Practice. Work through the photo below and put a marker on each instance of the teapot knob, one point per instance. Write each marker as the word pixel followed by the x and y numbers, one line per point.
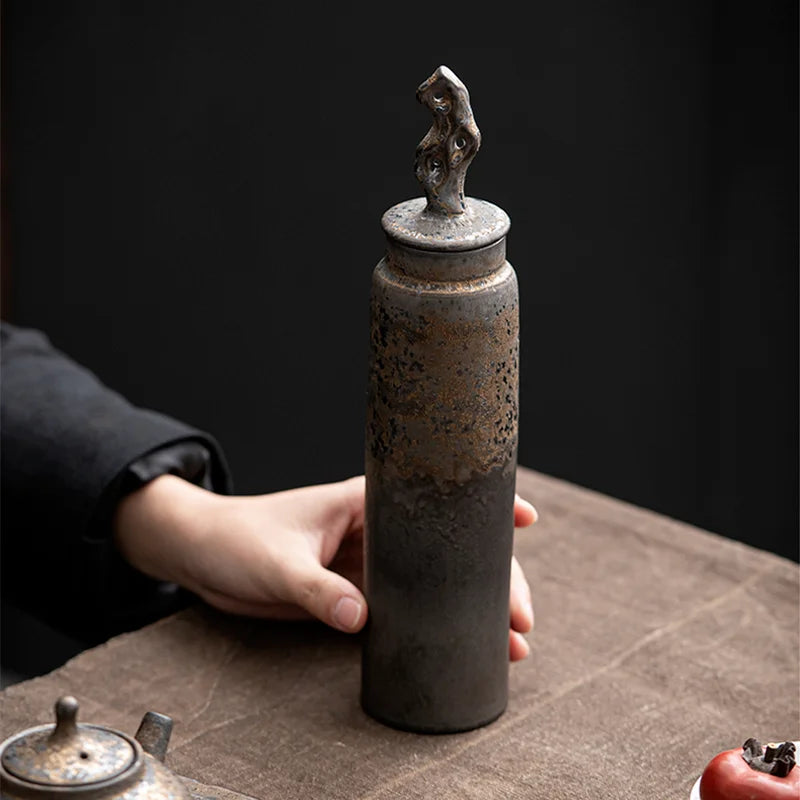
pixel 66 719
pixel 153 734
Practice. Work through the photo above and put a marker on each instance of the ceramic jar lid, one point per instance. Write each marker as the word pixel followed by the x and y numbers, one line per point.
pixel 445 220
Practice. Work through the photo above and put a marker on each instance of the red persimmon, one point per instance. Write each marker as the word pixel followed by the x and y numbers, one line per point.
pixel 742 774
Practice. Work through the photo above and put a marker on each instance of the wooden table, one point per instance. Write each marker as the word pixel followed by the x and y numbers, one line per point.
pixel 656 645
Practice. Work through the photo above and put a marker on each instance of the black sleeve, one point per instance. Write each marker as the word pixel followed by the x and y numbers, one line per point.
pixel 70 449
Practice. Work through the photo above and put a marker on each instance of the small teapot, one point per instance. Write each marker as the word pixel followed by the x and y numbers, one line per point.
pixel 90 762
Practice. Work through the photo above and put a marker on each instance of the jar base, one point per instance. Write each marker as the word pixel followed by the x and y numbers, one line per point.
pixel 433 729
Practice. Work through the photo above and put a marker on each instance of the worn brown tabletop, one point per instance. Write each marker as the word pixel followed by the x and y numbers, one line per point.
pixel 656 645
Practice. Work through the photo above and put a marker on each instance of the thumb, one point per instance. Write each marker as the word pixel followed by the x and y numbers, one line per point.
pixel 327 596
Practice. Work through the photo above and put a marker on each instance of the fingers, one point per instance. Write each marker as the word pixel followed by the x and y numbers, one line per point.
pixel 349 561
pixel 524 513
pixel 248 608
pixel 333 509
pixel 518 648
pixel 520 607
pixel 327 596
pixel 521 613
pixel 352 499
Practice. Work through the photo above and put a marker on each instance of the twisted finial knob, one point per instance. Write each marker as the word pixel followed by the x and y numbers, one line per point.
pixel 449 146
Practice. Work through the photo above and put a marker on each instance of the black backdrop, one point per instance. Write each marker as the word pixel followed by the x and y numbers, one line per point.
pixel 192 202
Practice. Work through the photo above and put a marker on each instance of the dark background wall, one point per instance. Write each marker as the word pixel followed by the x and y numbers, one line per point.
pixel 193 193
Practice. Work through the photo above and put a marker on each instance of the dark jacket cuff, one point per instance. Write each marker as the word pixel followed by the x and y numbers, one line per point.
pixel 68 442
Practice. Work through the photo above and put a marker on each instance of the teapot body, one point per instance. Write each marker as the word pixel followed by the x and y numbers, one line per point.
pixel 89 762
pixel 146 779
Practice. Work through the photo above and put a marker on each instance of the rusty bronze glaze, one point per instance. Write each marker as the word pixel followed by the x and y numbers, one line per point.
pixel 443 392
pixel 89 762
pixel 441 444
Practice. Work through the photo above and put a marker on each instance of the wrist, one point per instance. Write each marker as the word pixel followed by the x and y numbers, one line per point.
pixel 157 526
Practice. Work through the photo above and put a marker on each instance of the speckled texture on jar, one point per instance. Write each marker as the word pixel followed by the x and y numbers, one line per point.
pixel 441 444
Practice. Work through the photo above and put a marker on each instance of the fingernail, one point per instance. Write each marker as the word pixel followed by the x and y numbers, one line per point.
pixel 519 647
pixel 530 506
pixel 523 602
pixel 347 613
pixel 527 610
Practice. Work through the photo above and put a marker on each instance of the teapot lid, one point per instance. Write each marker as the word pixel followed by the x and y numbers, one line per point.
pixel 67 754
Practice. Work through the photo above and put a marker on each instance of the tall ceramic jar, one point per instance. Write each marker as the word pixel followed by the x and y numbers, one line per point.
pixel 441 443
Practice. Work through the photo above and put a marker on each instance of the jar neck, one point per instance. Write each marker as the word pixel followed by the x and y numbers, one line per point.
pixel 439 265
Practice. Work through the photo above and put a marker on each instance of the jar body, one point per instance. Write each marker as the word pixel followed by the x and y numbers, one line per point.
pixel 441 445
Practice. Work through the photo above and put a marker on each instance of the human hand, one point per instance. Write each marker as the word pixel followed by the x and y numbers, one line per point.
pixel 285 555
